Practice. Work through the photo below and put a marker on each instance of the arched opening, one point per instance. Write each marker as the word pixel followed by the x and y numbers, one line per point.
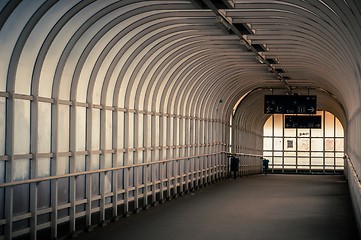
pixel 304 150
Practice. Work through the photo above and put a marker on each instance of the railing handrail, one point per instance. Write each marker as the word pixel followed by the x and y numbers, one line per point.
pixel 76 174
pixel 249 154
pixel 352 168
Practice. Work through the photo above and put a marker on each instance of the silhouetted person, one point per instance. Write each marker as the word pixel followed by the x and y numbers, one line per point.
pixel 234 166
pixel 265 165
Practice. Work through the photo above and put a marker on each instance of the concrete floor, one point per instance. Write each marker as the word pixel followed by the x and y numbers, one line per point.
pixel 289 207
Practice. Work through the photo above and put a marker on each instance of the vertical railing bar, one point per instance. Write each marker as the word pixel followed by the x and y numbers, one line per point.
pixel 126 163
pixel 136 160
pixel 103 140
pixel 34 125
pixel 115 117
pixel 9 174
pixel 54 168
pixel 88 165
pixel 72 197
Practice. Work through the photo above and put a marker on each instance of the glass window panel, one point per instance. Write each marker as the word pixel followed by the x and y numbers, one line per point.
pixel 303 154
pixel 339 162
pixel 80 187
pixel 130 130
pixel 339 129
pixel 339 155
pixel 43 167
pixel 164 154
pixel 170 129
pixel 109 129
pixel 62 165
pixel 80 163
pixel 290 144
pixel 329 154
pixel 303 133
pixel 164 127
pixel 108 182
pixel 329 144
pixel 148 122
pixel 339 144
pixel 277 160
pixel 290 161
pixel 315 132
pixel 80 128
pixel 290 132
pixel 329 125
pixel 278 144
pixel 21 169
pixel 303 161
pixel 120 130
pixel 316 144
pixel 176 129
pixel 22 126
pixel 267 143
pixel 329 161
pixel 267 129
pixel 130 158
pixel 316 161
pixel 289 166
pixel 303 144
pixel 63 128
pixel 107 160
pixel 2 125
pixel 289 154
pixel 316 167
pixel 278 125
pixel 94 162
pixel 156 155
pixel 316 154
pixel 278 153
pixel 96 129
pixel 44 129
pixel 44 194
pixel 63 190
pixel 140 130
pixel 183 135
pixel 21 201
pixel 270 158
pixel 267 154
pixel 120 159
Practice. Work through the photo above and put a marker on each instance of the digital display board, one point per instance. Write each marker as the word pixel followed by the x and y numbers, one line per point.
pixel 303 121
pixel 290 104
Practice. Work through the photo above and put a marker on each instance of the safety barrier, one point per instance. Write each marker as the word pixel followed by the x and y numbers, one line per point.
pixel 355 189
pixel 80 200
pixel 249 164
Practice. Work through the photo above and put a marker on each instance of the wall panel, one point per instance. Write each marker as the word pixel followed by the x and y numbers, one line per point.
pixel 63 126
pixel 44 129
pixel 22 126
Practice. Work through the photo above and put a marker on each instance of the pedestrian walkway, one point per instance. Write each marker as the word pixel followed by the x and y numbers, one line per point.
pixel 288 207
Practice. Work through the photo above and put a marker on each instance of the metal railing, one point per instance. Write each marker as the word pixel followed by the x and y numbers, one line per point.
pixel 355 189
pixel 122 190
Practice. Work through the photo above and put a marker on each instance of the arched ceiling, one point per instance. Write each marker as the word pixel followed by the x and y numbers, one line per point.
pixel 189 58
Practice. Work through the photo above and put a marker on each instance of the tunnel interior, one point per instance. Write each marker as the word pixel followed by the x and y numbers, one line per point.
pixel 110 106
